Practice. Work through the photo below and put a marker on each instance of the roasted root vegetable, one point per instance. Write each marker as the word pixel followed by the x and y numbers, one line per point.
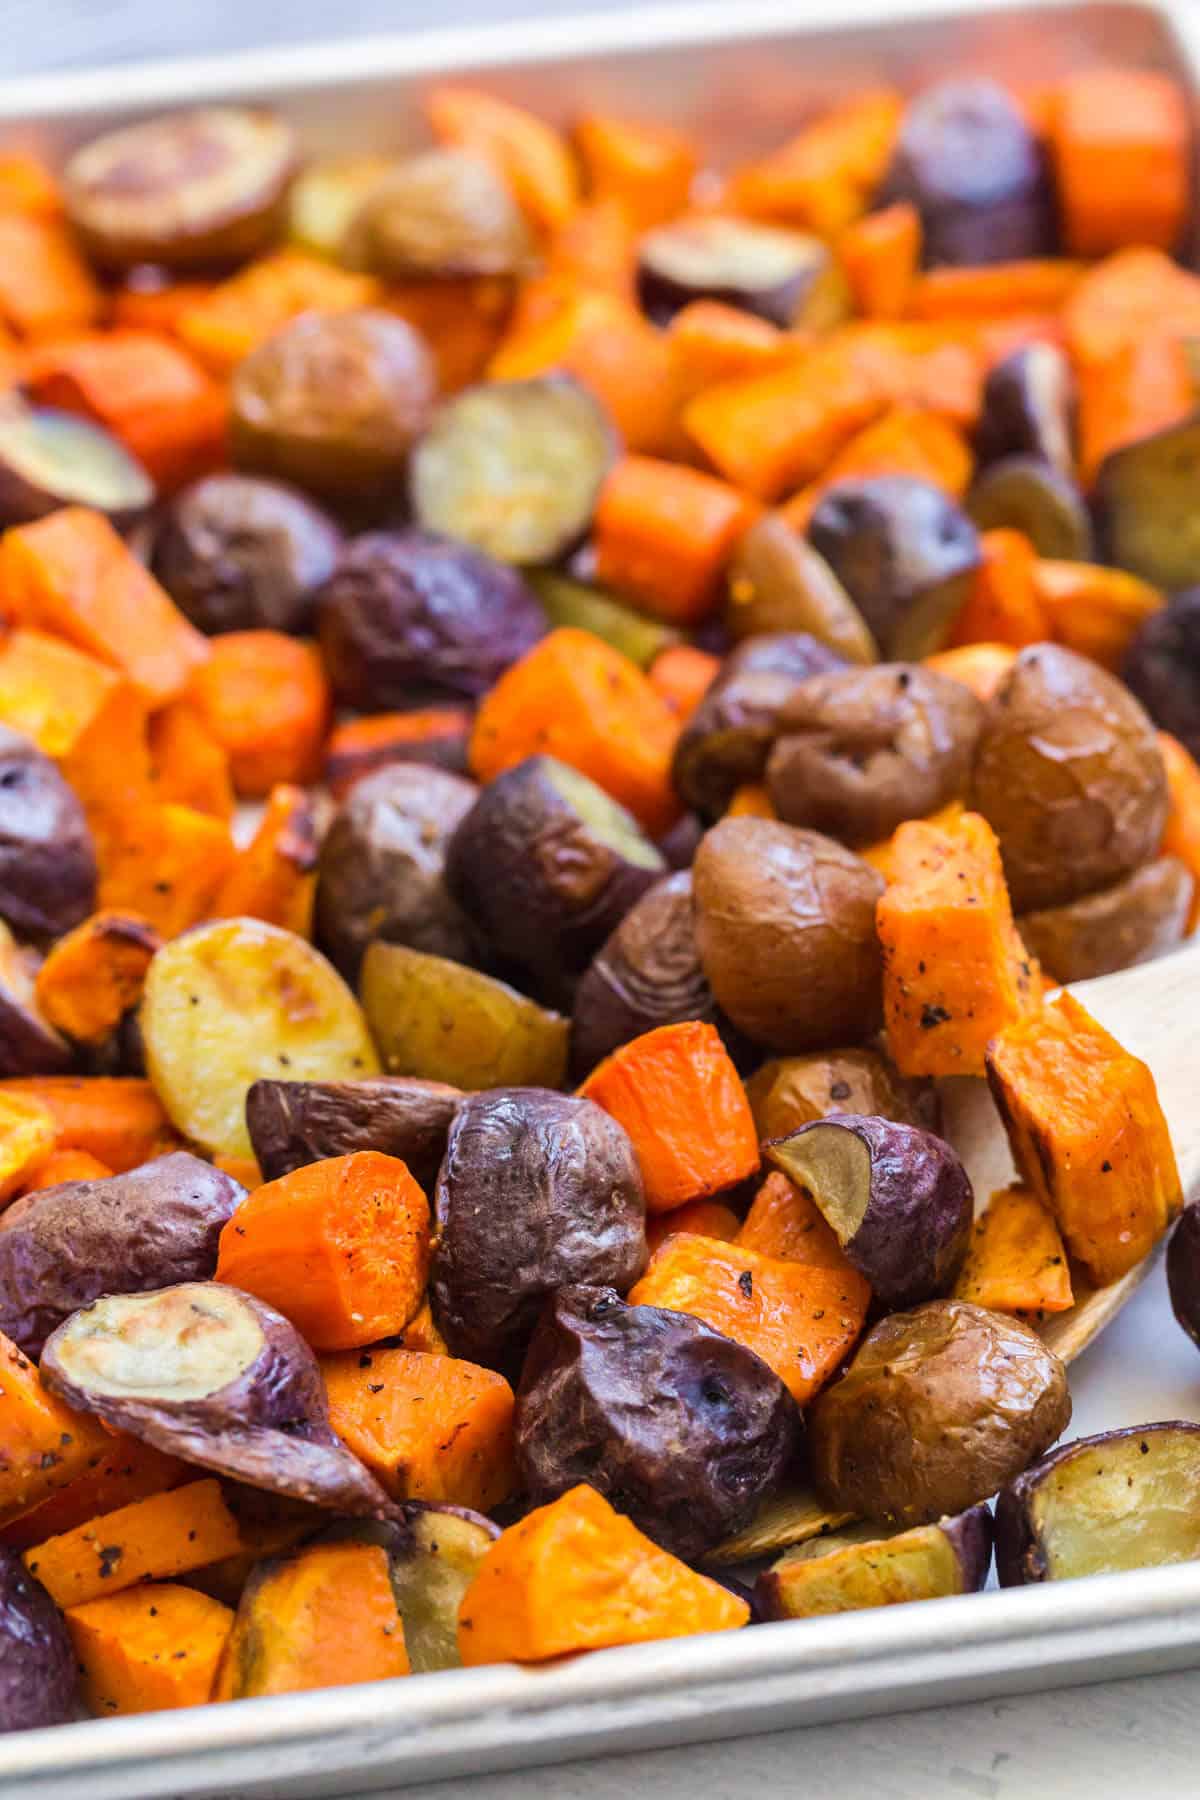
pixel 664 535
pixel 37 1672
pixel 274 877
pixel 434 736
pixel 788 1091
pixel 28 1044
pixel 1088 1135
pixel 264 699
pixel 431 1428
pixel 678 1096
pixel 800 1318
pixel 117 1119
pixel 27 1139
pixel 126 1471
pixel 161 1536
pixel 1159 669
pixel 148 1648
pixel 778 582
pixel 897 1198
pixel 1131 922
pixel 341 1247
pixel 1121 147
pixel 860 1567
pixel 1016 1261
pixel 292 1123
pixel 94 974
pixel 785 1222
pixel 574 1575
pixel 46 1445
pixel 294 1015
pixel 939 1407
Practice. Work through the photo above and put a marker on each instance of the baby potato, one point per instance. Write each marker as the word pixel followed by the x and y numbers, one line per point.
pixel 1183 1271
pixel 235 1001
pixel 789 1091
pixel 1135 920
pixel 777 582
pixel 1029 408
pixel 860 751
pixel 443 213
pixel 785 926
pixel 47 858
pixel 1069 776
pixel 1162 667
pixel 940 1407
pixel 292 1123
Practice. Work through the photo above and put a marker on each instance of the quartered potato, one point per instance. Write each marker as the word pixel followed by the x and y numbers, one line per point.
pixel 442 1021
pixel 187 190
pixel 777 582
pixel 1146 499
pixel 47 857
pixel 292 1123
pixel 782 276
pixel 1121 1500
pixel 1024 493
pixel 861 1566
pixel 50 459
pixel 236 1001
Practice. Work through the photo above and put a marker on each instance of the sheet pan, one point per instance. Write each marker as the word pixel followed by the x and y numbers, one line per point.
pixel 741 77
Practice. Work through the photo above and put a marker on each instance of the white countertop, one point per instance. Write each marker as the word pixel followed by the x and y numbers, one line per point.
pixel 1136 1740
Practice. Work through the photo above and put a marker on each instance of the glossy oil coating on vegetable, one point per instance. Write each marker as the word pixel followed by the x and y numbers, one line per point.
pixel 37 1668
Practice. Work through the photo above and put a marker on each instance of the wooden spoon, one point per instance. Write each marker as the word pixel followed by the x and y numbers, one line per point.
pixel 1154 1012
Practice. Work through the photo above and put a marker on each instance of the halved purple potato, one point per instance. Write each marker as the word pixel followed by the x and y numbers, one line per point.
pixel 645 975
pixel 382 867
pixel 514 468
pixel 778 583
pixel 1162 667
pixel 785 277
pixel 1023 493
pixel 186 190
pixel 1183 1271
pixel 120 1234
pixel 50 459
pixel 442 214
pixel 47 859
pixel 545 864
pixel 208 1373
pixel 860 1566
pixel 1125 1499
pixel 537 1191
pixel 1132 922
pixel 37 1663
pixel 897 1198
pixel 679 1427
pixel 237 553
pixel 1029 408
pixel 292 1123
pixel 860 751
pixel 904 551
pixel 969 162
pixel 728 738
pixel 409 619
pixel 1145 502
pixel 29 1045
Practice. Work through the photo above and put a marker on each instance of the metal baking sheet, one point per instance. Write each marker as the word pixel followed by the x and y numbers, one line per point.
pixel 741 78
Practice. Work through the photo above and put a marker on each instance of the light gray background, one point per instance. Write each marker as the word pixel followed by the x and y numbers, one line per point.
pixel 1136 1740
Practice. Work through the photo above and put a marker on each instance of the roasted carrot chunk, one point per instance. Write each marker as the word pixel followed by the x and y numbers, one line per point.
pixel 430 1427
pixel 702 1218
pixel 95 974
pixel 45 285
pixel 880 255
pixel 1094 610
pixel 683 674
pixel 800 1318
pixel 648 168
pixel 165 863
pixel 275 876
pixel 1002 605
pixel 435 734
pixel 264 698
pixel 341 1247
pixel 27 186
pixel 1131 392
pixel 1122 159
pixel 575 1575
pixel 955 971
pixel 578 699
pixel 1016 1262
pixel 995 291
pixel 680 1099
pixel 72 575
pixel 823 179
pixel 150 1648
pixel 462 321
pixel 711 342
pixel 162 1535
pixel 117 1118
pixel 1088 1135
pixel 127 1471
pixel 44 1446
pixel 27 1136
pixel 74 707
pixel 784 1222
pixel 1182 836
pixel 751 801
pixel 907 440
pixel 664 534
pixel 187 765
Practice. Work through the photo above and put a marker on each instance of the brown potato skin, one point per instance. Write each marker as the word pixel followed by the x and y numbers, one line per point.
pixel 37 1663
pixel 777 582
pixel 237 553
pixel 682 1429
pixel 940 1407
pixel 333 402
pixel 785 926
pixel 728 738
pixel 382 867
pixel 1029 406
pixel 47 859
pixel 1183 1271
pixel 292 1123
pixel 1131 922
pixel 120 1234
pixel 861 750
pixel 537 1191
pixel 1069 776
pixel 790 1091
pixel 441 214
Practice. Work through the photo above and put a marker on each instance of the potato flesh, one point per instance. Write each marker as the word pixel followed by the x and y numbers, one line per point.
pixel 181 1344
pixel 429 1586
pixel 237 1001
pixel 857 1569
pixel 834 1165
pixel 1128 1503
pixel 608 822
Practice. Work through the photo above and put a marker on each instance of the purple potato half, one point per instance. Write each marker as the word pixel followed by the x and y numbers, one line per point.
pixel 785 277
pixel 862 1566
pixel 1121 1500
pixel 208 1373
pixel 37 1663
pixel 537 1191
pixel 47 858
pixel 1029 407
pixel 679 1427
pixel 1183 1271
pixel 897 1198
pixel 292 1123
pixel 120 1234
